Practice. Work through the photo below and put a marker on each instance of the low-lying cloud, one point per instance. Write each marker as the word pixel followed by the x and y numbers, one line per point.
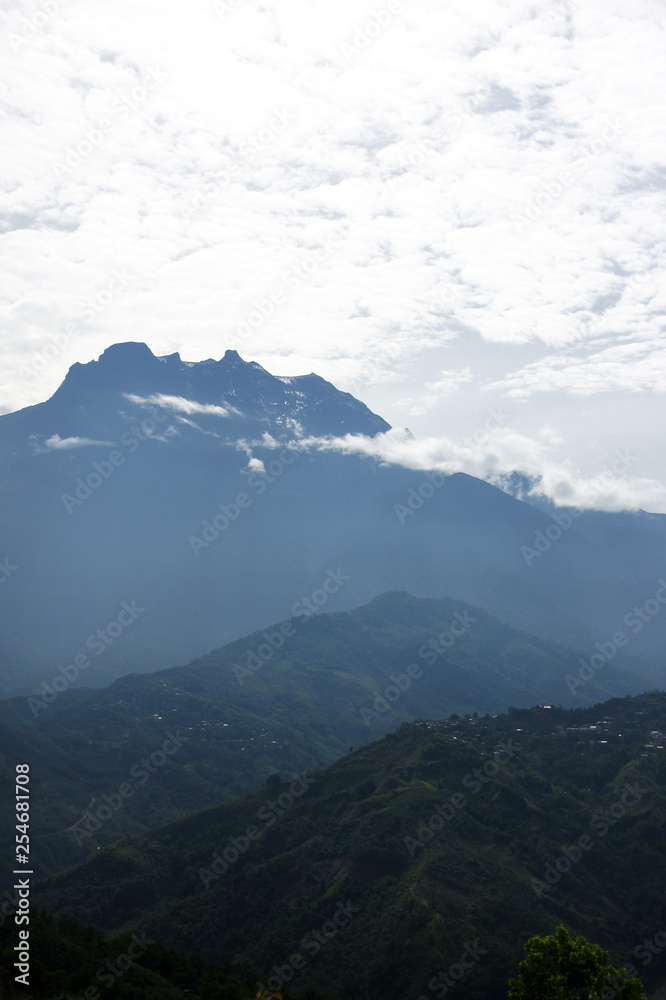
pixel 56 443
pixel 178 404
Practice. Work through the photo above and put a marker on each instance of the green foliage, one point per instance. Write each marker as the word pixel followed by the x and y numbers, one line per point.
pixel 69 961
pixel 299 708
pixel 469 879
pixel 561 968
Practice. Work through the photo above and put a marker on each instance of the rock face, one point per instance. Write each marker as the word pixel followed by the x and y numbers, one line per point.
pixel 248 390
pixel 212 497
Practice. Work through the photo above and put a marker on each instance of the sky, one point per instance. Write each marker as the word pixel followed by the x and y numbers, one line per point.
pixel 454 211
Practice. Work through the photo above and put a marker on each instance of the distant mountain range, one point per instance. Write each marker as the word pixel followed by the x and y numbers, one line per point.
pixel 154 509
pixel 415 865
pixel 289 698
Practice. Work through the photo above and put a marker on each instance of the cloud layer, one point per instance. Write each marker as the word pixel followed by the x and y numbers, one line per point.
pixel 440 208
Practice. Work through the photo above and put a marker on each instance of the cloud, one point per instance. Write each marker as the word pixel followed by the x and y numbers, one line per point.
pixel 487 177
pixel 178 404
pixel 493 450
pixel 56 443
pixel 634 367
pixel 448 382
pixel 195 426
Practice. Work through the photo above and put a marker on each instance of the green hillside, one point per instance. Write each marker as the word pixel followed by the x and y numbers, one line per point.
pixel 69 961
pixel 287 699
pixel 439 848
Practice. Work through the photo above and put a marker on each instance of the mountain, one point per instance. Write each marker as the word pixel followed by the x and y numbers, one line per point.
pixel 154 509
pixel 103 485
pixel 285 700
pixel 433 852
pixel 71 961
pixel 269 403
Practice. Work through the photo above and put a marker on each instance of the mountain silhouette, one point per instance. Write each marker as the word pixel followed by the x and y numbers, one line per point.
pixel 213 498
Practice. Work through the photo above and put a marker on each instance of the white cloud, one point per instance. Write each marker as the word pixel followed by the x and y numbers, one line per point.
pixel 195 426
pixel 486 179
pixel 492 451
pixel 56 443
pixel 634 367
pixel 448 383
pixel 180 405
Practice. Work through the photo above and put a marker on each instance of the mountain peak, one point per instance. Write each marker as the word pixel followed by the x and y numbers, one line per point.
pixel 232 357
pixel 259 399
pixel 130 352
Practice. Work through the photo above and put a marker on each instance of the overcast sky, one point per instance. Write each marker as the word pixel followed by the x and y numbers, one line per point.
pixel 453 210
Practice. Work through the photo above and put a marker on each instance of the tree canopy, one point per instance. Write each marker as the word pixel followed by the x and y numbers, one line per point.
pixel 558 967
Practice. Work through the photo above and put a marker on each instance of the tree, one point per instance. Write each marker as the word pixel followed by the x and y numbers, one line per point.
pixel 559 968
